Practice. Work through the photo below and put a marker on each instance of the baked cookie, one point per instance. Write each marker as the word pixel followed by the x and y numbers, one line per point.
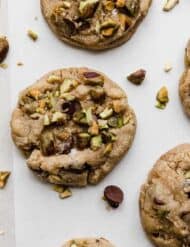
pixel 165 199
pixel 94 24
pixel 88 242
pixel 75 124
pixel 184 85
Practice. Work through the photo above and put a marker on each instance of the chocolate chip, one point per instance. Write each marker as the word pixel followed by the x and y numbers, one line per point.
pixel 91 74
pixel 114 195
pixel 70 107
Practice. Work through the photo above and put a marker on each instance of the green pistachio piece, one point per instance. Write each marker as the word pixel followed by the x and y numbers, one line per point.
pixel 96 142
pixel 108 137
pixel 67 85
pixel 108 28
pixel 89 116
pixel 47 143
pixel 132 7
pixel 113 122
pixel 108 148
pixel 66 4
pixel 46 120
pixel 54 79
pixel 67 96
pixel 106 113
pixel 103 124
pixel 87 8
pixel 57 116
pixel 80 117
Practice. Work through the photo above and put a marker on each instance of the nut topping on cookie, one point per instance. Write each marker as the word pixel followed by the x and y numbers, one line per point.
pixel 73 121
pixel 137 77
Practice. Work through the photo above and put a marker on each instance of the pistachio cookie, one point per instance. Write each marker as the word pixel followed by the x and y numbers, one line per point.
pixel 88 242
pixel 184 86
pixel 165 199
pixel 75 124
pixel 94 24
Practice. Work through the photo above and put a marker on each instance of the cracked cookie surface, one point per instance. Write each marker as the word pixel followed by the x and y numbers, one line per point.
pixel 165 199
pixel 184 85
pixel 75 125
pixel 94 24
pixel 88 242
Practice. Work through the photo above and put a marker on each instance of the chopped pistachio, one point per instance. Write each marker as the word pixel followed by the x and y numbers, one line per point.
pixel 133 7
pixel 87 8
pixel 170 4
pixel 106 113
pixel 108 28
pixel 46 120
pixel 58 188
pixel 57 116
pixel 97 93
pixel 33 35
pixel 162 95
pixel 4 175
pixel 137 77
pixel 3 65
pixel 108 5
pixel 89 116
pixel 125 21
pixel 126 119
pixel 83 140
pixel 160 106
pixel 113 122
pixel 54 179
pixel 65 194
pixel 54 79
pixel 67 96
pixel 20 64
pixel 67 85
pixel 96 142
pixel 103 124
pixel 108 148
pixel 167 67
pixel 80 117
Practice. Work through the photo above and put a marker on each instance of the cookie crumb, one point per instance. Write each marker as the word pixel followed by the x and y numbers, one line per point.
pixel 62 191
pixel 168 67
pixel 36 18
pixel 162 98
pixel 137 77
pixel 32 35
pixel 170 4
pixel 4 175
pixel 20 64
pixel 3 65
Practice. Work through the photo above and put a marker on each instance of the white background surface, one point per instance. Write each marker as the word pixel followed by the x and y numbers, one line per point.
pixel 41 218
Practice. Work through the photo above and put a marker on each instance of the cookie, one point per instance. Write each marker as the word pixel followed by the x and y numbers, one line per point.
pixel 165 199
pixel 94 24
pixel 88 242
pixel 75 125
pixel 184 85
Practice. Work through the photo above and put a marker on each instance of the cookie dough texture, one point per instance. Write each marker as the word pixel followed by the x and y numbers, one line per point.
pixel 88 242
pixel 165 199
pixel 184 85
pixel 94 24
pixel 74 124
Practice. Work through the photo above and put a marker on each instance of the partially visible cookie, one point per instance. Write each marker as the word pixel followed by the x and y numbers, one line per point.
pixel 184 85
pixel 88 242
pixel 4 48
pixel 75 125
pixel 94 24
pixel 165 199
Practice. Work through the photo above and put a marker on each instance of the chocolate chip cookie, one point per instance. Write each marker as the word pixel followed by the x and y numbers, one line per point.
pixel 94 24
pixel 75 125
pixel 165 199
pixel 184 85
pixel 88 242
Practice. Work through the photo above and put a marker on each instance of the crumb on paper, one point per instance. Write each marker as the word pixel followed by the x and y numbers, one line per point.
pixel 36 18
pixel 3 65
pixel 32 35
pixel 4 175
pixel 2 232
pixel 168 67
pixel 63 191
pixel 20 64
pixel 170 4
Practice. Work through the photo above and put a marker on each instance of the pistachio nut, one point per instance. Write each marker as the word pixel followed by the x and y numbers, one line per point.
pixel 87 8
pixel 107 112
pixel 96 142
pixel 108 28
pixel 93 78
pixel 4 175
pixel 67 85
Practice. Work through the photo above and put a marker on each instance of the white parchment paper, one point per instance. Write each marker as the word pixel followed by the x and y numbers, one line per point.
pixel 41 218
